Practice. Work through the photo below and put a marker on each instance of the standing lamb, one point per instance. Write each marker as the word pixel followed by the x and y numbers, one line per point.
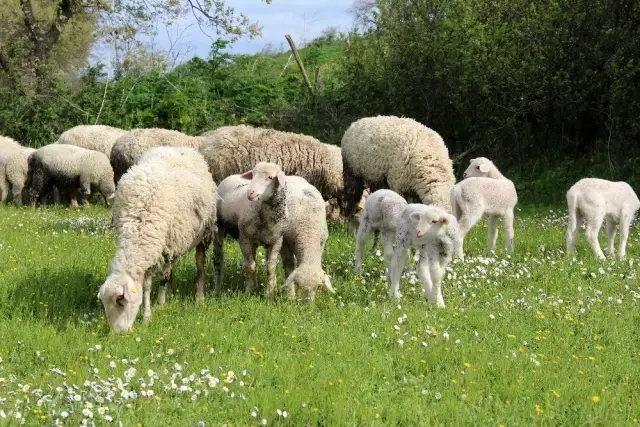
pixel 396 153
pixel 128 148
pixel 595 200
pixel 69 168
pixel 485 191
pixel 435 233
pixel 92 137
pixel 8 147
pixel 380 215
pixel 164 207
pixel 233 150
pixel 16 169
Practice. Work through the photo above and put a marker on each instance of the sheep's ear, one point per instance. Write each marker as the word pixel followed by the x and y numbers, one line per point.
pixel 327 283
pixel 415 216
pixel 484 168
pixel 112 196
pixel 444 220
pixel 281 178
pixel 247 175
pixel 129 288
pixel 472 160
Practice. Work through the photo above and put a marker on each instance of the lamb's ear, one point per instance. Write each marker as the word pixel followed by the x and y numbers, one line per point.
pixel 484 168
pixel 281 178
pixel 129 288
pixel 472 160
pixel 247 175
pixel 415 216
pixel 444 220
pixel 327 283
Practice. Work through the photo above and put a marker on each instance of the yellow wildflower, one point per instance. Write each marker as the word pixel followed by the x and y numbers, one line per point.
pixel 595 399
pixel 556 394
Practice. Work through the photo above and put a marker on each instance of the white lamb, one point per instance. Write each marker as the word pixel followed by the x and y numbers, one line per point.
pixel 380 215
pixel 593 200
pixel 484 191
pixel 435 233
pixel 164 206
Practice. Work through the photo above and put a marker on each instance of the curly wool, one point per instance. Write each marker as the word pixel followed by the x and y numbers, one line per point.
pixel 92 137
pixel 8 146
pixel 396 153
pixel 231 150
pixel 128 149
pixel 16 169
pixel 68 167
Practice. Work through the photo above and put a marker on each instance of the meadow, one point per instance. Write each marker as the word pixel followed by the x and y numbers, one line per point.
pixel 538 338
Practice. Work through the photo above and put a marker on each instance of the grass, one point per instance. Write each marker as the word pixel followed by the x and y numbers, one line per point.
pixel 536 339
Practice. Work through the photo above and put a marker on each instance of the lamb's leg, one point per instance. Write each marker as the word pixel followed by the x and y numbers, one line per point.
pixel 288 262
pixel 467 221
pixel 249 254
pixel 625 223
pixel 364 229
pixel 425 277
pixel 376 237
pixel 397 265
pixel 166 277
pixel 507 223
pixel 200 260
pixel 437 273
pixel 610 226
pixel 493 232
pixel 272 263
pixel 594 223
pixel 387 242
pixel 218 259
pixel 146 290
pixel 573 229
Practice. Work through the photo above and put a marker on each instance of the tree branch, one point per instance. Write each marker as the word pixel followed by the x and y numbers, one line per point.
pixel 29 20
pixel 45 41
pixel 4 63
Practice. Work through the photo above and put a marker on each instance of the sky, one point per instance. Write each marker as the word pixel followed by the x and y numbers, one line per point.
pixel 303 19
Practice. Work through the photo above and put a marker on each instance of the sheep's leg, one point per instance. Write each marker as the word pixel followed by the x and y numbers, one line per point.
pixel 437 273
pixel 397 265
pixel 353 188
pixel 85 193
pixel 146 290
pixel 272 263
pixel 200 261
pixel 218 259
pixel 56 195
pixel 249 254
pixel 4 190
pixel 507 223
pixel 573 229
pixel 166 277
pixel 364 229
pixel 425 277
pixel 493 232
pixel 288 262
pixel 594 224
pixel 17 194
pixel 387 242
pixel 74 198
pixel 467 221
pixel 625 222
pixel 610 227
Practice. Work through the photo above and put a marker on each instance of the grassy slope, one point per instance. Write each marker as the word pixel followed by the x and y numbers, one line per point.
pixel 514 332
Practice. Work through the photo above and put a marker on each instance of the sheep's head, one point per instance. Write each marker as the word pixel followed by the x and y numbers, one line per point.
pixel 309 278
pixel 430 221
pixel 332 208
pixel 479 167
pixel 265 180
pixel 121 297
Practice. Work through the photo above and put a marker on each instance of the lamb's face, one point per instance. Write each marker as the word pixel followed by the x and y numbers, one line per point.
pixel 121 298
pixel 309 279
pixel 479 167
pixel 429 222
pixel 265 180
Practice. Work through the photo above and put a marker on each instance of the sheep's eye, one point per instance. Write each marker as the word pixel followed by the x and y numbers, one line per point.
pixel 119 300
pixel 433 221
pixel 270 177
pixel 478 167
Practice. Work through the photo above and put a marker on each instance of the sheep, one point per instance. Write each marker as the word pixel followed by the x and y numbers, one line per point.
pixel 333 204
pixel 435 233
pixel 8 147
pixel 69 167
pixel 128 148
pixel 380 215
pixel 164 206
pixel 254 207
pixel 399 154
pixel 92 137
pixel 235 149
pixel 484 191
pixel 16 169
pixel 595 200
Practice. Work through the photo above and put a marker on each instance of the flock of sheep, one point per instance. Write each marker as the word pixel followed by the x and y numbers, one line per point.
pixel 172 192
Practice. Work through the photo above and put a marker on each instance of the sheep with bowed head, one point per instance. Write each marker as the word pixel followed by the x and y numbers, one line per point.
pixel 434 232
pixel 484 191
pixel 594 200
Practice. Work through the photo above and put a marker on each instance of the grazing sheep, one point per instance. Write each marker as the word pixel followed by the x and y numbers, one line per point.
pixel 380 215
pixel 8 147
pixel 399 154
pixel 164 207
pixel 127 149
pixel 254 204
pixel 16 169
pixel 333 203
pixel 484 191
pixel 595 200
pixel 69 168
pixel 92 137
pixel 233 150
pixel 435 233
